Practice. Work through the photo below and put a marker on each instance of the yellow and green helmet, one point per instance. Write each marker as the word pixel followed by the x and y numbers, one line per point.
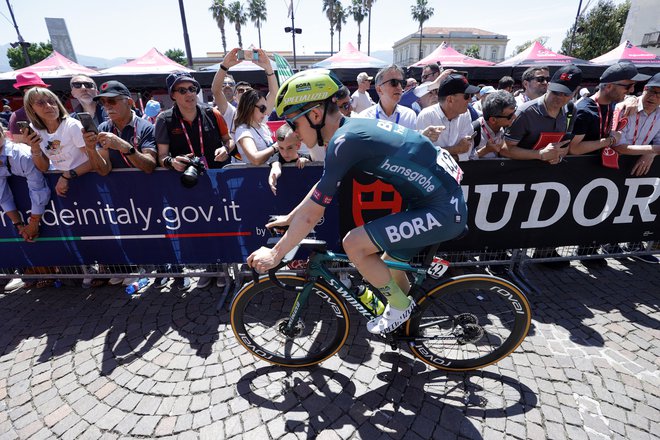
pixel 304 87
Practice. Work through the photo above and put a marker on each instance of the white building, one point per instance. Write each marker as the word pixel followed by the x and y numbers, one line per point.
pixel 492 46
pixel 643 25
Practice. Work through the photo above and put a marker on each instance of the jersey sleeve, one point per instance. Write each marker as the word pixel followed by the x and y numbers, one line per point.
pixel 343 152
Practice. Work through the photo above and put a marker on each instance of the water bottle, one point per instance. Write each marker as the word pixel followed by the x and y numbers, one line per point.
pixel 369 300
pixel 136 286
pixel 58 283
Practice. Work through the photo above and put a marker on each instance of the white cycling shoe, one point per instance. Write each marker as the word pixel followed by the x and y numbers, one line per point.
pixel 391 319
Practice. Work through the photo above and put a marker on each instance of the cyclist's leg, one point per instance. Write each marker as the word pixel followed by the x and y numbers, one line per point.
pixel 399 276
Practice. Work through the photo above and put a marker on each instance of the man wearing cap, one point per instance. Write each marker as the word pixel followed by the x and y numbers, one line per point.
pixel 541 123
pixel 499 112
pixel 126 140
pixel 594 115
pixel 360 99
pixel 535 84
pixel 454 94
pixel 83 89
pixel 425 96
pixel 389 86
pixel 485 91
pixel 24 82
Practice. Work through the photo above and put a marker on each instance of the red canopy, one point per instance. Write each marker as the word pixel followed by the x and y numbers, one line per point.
pixel 350 58
pixel 537 54
pixel 55 65
pixel 447 56
pixel 151 62
pixel 627 51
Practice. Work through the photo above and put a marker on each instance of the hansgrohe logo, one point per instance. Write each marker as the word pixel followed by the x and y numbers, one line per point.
pixel 425 182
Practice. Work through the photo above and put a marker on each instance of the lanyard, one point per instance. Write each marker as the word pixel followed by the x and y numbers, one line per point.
pixel 485 130
pixel 603 126
pixel 398 115
pixel 650 128
pixel 135 142
pixel 201 138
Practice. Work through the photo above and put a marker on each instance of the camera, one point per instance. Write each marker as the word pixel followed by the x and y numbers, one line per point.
pixel 195 169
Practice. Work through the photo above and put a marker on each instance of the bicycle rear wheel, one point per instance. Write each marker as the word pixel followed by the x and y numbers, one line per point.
pixel 260 314
pixel 469 322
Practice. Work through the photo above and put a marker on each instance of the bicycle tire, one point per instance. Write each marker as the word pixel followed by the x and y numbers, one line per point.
pixel 259 310
pixel 456 322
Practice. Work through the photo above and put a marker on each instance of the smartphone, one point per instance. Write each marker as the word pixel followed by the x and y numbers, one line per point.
pixel 87 122
pixel 567 137
pixel 255 55
pixel 473 135
pixel 25 125
pixel 240 54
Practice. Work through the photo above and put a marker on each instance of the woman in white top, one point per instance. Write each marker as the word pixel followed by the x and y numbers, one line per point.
pixel 252 135
pixel 57 141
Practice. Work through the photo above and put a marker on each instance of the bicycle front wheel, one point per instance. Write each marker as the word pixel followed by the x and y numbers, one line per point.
pixel 261 312
pixel 469 322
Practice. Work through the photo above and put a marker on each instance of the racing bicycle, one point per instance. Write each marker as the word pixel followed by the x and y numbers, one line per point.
pixel 460 323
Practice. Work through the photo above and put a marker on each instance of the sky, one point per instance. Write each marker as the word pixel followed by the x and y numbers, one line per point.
pixel 129 28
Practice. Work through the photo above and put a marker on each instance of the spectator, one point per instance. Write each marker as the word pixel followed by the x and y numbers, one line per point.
pixel 226 106
pixel 228 89
pixel 252 136
pixel 126 141
pixel 151 111
pixel 483 92
pixel 584 93
pixel 288 152
pixel 541 123
pixel 361 100
pixel 454 94
pixel 506 83
pixel 409 99
pixel 83 89
pixel 425 97
pixel 24 82
pixel 389 86
pixel 535 83
pixel 594 115
pixel 5 115
pixel 499 112
pixel 343 99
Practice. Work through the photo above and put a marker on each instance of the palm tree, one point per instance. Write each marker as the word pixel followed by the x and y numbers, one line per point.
pixel 329 7
pixel 257 12
pixel 368 4
pixel 358 15
pixel 420 13
pixel 219 11
pixel 340 19
pixel 237 16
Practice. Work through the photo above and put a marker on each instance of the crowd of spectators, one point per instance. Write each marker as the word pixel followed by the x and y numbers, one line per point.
pixel 549 118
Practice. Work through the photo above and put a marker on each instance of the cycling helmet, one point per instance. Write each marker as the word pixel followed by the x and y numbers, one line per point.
pixel 304 87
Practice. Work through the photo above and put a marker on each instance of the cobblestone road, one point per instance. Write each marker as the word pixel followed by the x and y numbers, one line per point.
pixel 97 364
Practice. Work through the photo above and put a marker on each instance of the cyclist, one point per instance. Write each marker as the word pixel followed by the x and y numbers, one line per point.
pixel 427 178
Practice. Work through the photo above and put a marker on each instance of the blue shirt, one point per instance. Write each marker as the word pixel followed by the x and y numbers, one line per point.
pixel 139 133
pixel 16 159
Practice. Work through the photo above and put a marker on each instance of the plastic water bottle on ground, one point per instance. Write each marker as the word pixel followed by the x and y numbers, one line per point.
pixel 136 286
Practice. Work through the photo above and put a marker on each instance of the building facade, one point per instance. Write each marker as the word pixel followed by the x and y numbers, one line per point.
pixel 492 46
pixel 643 25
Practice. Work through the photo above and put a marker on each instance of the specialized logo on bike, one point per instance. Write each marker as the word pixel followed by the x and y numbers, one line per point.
pixel 424 182
pixel 416 226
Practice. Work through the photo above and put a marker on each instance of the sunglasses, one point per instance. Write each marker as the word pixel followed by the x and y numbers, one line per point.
pixel 466 96
pixel 345 106
pixel 395 82
pixel 542 79
pixel 110 101
pixel 426 76
pixel 44 102
pixel 292 122
pixel 262 108
pixel 80 85
pixel 508 118
pixel 242 89
pixel 184 90
pixel 565 95
pixel 625 86
pixel 228 84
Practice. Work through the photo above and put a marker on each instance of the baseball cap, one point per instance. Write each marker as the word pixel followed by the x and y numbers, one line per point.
pixel 152 108
pixel 362 76
pixel 566 79
pixel 454 84
pixel 29 79
pixel 654 81
pixel 422 89
pixel 584 92
pixel 112 89
pixel 175 78
pixel 486 90
pixel 621 71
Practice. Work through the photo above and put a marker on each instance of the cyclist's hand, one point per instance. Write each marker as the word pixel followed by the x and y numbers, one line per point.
pixel 263 259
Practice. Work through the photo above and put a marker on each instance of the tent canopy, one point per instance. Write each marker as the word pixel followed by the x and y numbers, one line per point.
pixel 55 65
pixel 151 62
pixel 447 56
pixel 351 58
pixel 627 51
pixel 537 54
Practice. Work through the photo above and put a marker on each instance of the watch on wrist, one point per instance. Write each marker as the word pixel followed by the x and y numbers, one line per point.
pixel 223 67
pixel 130 151
pixel 72 174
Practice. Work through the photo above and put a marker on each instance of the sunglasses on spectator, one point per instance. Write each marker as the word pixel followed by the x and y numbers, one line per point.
pixel 81 84
pixel 184 90
pixel 625 86
pixel 110 101
pixel 262 108
pixel 565 95
pixel 395 82
pixel 242 89
pixel 228 84
pixel 345 106
pixel 292 122
pixel 507 117
pixel 466 96
pixel 426 76
pixel 44 102
pixel 542 79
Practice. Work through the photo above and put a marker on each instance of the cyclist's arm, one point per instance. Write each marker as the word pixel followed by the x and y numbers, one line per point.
pixel 285 220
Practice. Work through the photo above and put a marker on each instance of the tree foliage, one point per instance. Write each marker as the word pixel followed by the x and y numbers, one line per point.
pixel 37 52
pixel 238 17
pixel 258 14
pixel 176 55
pixel 358 13
pixel 473 51
pixel 420 13
pixel 329 7
pixel 341 14
pixel 598 31
pixel 219 11
pixel 528 43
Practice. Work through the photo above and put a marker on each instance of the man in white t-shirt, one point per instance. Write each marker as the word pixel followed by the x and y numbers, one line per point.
pixel 360 99
pixel 389 86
